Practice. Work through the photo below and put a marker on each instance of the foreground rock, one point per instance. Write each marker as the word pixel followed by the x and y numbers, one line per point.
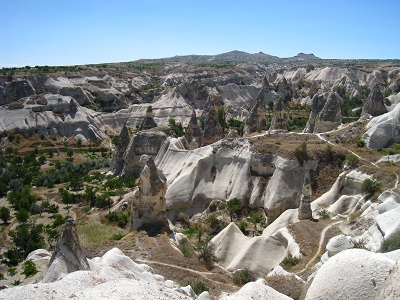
pixel 257 290
pixel 68 256
pixel 351 274
pixel 112 276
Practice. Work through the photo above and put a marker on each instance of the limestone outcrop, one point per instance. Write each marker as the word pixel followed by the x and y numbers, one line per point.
pixel 374 105
pixel 68 256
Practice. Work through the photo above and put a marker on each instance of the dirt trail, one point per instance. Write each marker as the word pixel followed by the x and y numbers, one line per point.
pixel 320 249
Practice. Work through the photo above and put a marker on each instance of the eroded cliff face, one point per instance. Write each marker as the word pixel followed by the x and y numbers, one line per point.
pixel 229 169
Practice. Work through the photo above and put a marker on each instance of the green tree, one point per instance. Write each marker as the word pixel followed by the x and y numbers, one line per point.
pixel 233 206
pixel 256 218
pixel 5 214
pixel 29 269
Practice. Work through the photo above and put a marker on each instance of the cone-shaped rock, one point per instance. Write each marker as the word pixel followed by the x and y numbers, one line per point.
pixel 148 121
pixel 213 130
pixel 193 133
pixel 374 105
pixel 331 115
pixel 68 256
pixel 257 120
pixel 117 162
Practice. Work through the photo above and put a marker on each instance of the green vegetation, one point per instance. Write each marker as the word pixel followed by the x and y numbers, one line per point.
pixel 177 128
pixel 237 125
pixel 233 206
pixel 29 269
pixel 5 214
pixel 243 276
pixel 301 152
pixel 370 186
pixel 222 117
pixel 289 262
pixel 391 244
pixel 119 218
pixel 324 214
pixel 197 285
pixel 352 161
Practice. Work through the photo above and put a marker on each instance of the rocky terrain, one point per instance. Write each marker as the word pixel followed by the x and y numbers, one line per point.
pixel 234 176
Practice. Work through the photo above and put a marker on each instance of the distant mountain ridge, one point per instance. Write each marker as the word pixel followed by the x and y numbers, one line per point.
pixel 235 56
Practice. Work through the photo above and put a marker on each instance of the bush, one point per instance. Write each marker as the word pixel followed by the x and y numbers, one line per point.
pixel 369 186
pixel 391 244
pixel 5 214
pixel 241 277
pixel 352 161
pixel 117 236
pixel 289 262
pixel 29 268
pixel 197 285
pixel 324 214
pixel 301 152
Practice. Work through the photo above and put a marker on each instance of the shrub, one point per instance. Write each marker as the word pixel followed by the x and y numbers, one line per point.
pixel 117 236
pixel 5 214
pixel 324 214
pixel 301 152
pixel 243 227
pixel 393 243
pixel 29 268
pixel 369 186
pixel 289 262
pixel 233 206
pixel 241 277
pixel 197 285
pixel 352 161
pixel 185 250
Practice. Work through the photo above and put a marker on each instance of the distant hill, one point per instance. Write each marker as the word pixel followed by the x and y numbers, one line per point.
pixel 235 56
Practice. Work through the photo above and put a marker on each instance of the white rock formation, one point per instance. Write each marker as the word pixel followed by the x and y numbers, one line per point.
pixel 384 129
pixel 224 170
pixel 112 276
pixel 258 290
pixel 233 250
pixel 350 274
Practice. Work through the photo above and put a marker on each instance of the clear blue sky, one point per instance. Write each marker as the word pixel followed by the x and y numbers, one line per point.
pixel 67 32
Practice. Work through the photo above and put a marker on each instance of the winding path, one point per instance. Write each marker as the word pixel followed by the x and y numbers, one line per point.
pixel 198 273
pixel 321 242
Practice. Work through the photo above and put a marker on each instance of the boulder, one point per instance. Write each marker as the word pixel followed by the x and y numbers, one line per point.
pixel 338 244
pixel 68 256
pixel 390 289
pixel 350 274
pixel 258 290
